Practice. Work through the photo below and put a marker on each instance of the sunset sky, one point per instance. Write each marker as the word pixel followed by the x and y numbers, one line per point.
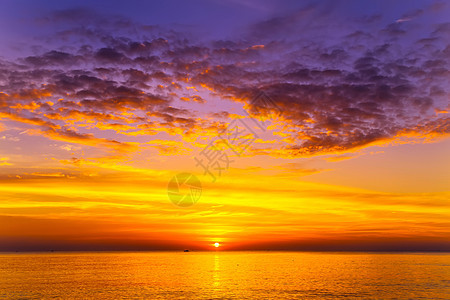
pixel 343 108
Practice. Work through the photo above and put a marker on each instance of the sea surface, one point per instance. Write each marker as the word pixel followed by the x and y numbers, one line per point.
pixel 224 275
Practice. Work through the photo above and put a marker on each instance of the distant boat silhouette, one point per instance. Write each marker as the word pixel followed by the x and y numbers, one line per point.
pixel 185 250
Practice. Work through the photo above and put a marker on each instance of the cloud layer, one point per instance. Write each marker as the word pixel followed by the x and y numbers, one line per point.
pixel 347 90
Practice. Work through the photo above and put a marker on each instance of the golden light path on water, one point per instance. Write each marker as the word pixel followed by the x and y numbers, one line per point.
pixel 225 275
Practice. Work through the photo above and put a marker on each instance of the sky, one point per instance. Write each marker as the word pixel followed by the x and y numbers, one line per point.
pixel 259 125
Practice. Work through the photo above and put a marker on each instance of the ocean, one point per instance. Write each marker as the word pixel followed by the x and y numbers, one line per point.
pixel 224 275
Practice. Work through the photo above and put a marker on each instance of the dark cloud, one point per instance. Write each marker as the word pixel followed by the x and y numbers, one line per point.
pixel 336 94
pixel 53 58
pixel 109 55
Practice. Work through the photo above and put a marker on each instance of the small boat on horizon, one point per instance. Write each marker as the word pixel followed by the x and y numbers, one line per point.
pixel 186 250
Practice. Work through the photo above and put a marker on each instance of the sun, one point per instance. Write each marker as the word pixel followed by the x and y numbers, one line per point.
pixel 217 245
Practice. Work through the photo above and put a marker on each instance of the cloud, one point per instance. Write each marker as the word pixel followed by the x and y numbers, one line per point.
pixel 357 88
pixel 4 161
pixel 290 214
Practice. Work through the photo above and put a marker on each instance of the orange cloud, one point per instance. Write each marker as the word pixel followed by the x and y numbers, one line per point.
pixel 85 139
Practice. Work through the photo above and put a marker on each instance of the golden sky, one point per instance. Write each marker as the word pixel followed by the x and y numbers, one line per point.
pixel 337 143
